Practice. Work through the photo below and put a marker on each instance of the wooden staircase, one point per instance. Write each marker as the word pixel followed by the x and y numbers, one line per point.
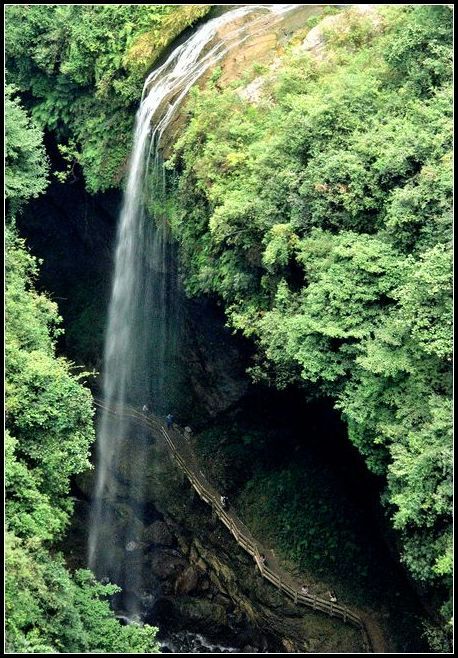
pixel 181 449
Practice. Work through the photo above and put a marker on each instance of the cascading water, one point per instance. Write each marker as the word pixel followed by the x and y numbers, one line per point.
pixel 141 357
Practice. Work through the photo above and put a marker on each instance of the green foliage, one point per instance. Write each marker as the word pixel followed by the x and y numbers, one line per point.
pixel 313 527
pixel 26 166
pixel 49 412
pixel 417 60
pixel 82 68
pixel 48 611
pixel 29 509
pixel 440 640
pixel 70 154
pixel 321 216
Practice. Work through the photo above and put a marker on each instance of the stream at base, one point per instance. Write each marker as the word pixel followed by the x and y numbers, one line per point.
pixel 188 642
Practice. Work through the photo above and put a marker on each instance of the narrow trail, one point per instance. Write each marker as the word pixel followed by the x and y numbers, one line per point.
pixel 181 449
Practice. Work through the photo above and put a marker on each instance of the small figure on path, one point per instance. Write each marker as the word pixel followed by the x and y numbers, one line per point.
pixel 169 421
pixel 224 502
pixel 145 408
pixel 262 559
pixel 332 596
pixel 304 589
pixel 187 431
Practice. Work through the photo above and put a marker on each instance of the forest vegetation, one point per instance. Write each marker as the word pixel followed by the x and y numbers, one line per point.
pixel 81 69
pixel 340 268
pixel 49 431
pixel 319 215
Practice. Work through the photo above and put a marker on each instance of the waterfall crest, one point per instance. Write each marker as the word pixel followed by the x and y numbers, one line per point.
pixel 142 336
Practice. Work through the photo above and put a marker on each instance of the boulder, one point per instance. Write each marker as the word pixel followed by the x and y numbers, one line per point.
pixel 165 563
pixel 202 615
pixel 187 581
pixel 315 41
pixel 158 533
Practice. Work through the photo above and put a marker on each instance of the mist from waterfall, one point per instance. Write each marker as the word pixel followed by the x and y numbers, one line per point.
pixel 141 357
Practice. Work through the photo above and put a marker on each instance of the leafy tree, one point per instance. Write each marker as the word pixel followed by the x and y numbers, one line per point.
pixel 29 510
pixel 26 165
pixel 49 412
pixel 48 611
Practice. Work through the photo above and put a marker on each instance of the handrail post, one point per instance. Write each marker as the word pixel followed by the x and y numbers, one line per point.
pixel 314 602
pixel 295 597
pixel 257 558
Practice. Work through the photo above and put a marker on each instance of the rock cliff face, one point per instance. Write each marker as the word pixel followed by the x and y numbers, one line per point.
pixel 315 41
pixel 196 577
pixel 260 46
pixel 213 360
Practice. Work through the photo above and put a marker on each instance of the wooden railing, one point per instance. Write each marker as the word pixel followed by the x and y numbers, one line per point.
pixel 184 455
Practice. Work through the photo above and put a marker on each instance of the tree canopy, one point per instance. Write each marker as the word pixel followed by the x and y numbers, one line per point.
pixel 81 70
pixel 26 165
pixel 319 214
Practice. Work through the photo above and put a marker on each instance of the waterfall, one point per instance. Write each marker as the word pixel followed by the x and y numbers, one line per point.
pixel 142 336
